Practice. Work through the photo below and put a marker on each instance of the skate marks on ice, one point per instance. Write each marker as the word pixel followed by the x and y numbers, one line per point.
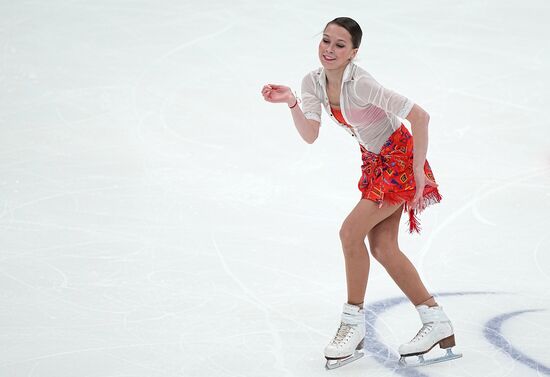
pixel 384 355
pixel 494 335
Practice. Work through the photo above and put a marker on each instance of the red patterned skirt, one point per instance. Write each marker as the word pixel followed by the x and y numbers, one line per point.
pixel 387 177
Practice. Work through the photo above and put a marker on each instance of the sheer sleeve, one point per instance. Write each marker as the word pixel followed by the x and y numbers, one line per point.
pixel 368 90
pixel 311 104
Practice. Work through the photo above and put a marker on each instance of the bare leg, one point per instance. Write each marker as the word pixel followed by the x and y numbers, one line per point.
pixel 353 232
pixel 385 249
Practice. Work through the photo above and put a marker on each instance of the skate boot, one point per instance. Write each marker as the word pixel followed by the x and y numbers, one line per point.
pixel 347 345
pixel 436 329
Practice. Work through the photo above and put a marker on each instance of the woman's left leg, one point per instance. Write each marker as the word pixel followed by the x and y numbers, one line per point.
pixel 437 327
pixel 385 249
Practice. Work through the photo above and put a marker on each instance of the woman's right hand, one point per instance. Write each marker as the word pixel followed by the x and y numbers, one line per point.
pixel 278 94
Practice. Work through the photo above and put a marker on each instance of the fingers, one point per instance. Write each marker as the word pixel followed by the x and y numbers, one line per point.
pixel 267 89
pixel 266 92
pixel 273 86
pixel 415 203
pixel 270 95
pixel 416 200
pixel 273 93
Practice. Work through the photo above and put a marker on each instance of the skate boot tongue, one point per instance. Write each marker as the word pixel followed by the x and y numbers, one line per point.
pixel 353 315
pixel 431 314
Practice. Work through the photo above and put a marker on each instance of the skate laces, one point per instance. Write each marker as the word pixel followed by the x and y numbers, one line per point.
pixel 426 328
pixel 342 333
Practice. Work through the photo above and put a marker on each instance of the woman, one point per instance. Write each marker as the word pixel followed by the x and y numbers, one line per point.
pixel 393 179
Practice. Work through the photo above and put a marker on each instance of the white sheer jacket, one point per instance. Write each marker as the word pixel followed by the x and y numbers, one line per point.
pixel 371 110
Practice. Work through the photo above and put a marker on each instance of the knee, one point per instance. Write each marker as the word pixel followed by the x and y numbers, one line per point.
pixel 351 240
pixel 377 251
pixel 384 253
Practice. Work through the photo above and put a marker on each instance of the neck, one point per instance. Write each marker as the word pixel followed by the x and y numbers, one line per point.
pixel 335 76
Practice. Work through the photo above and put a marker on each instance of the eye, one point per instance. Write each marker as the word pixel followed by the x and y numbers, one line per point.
pixel 340 45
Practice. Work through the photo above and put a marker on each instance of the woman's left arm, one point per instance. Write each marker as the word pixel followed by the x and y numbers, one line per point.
pixel 419 119
pixel 368 90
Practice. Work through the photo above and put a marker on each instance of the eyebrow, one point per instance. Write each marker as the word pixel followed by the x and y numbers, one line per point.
pixel 339 39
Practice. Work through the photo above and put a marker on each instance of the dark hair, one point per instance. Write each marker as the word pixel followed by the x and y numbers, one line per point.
pixel 352 27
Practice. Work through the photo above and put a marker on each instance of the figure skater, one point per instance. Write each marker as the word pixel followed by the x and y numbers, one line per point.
pixel 395 178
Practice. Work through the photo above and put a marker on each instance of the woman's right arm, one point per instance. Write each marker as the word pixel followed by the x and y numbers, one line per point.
pixel 308 128
pixel 307 122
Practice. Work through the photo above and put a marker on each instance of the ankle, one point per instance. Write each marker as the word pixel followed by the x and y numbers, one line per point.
pixel 430 302
pixel 359 304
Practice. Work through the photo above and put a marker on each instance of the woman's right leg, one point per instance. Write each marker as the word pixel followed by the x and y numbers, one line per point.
pixel 348 341
pixel 353 232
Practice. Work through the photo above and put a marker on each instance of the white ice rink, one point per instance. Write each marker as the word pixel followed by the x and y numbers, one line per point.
pixel 159 218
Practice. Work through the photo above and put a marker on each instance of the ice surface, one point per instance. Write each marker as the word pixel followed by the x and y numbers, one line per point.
pixel 159 218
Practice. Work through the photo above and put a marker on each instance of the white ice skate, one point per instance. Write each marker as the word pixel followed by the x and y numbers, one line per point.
pixel 347 345
pixel 436 329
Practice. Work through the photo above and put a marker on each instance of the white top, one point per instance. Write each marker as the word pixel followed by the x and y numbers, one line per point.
pixel 371 110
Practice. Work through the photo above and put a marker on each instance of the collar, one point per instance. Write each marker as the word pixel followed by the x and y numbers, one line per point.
pixel 349 72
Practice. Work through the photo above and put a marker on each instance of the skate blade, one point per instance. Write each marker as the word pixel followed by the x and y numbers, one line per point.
pixel 337 363
pixel 421 361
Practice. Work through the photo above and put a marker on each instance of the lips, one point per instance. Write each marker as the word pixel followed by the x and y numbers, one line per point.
pixel 328 59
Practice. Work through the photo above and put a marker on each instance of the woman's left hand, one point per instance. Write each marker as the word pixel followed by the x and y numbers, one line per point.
pixel 421 181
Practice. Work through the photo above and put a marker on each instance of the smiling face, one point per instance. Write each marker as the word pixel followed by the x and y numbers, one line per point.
pixel 335 47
